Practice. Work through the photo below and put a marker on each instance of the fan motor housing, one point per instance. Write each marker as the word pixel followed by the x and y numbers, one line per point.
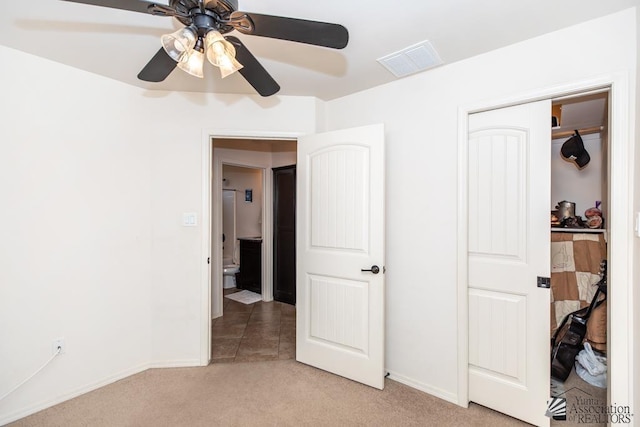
pixel 214 11
pixel 204 23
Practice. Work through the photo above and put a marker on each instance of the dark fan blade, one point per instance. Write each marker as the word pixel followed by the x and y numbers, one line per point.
pixel 252 70
pixel 132 5
pixel 297 30
pixel 159 68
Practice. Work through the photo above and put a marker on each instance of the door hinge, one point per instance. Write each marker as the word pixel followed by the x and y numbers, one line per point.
pixel 208 260
pixel 544 282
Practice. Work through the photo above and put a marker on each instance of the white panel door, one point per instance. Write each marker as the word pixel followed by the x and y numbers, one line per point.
pixel 340 215
pixel 509 246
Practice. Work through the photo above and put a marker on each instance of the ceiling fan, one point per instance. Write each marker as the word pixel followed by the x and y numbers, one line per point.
pixel 205 22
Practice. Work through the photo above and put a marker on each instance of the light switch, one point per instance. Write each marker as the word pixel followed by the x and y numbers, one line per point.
pixel 190 219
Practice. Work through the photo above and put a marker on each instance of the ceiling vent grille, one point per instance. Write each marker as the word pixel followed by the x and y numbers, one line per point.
pixel 412 59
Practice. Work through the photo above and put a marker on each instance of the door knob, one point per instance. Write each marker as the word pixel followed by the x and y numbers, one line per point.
pixel 374 269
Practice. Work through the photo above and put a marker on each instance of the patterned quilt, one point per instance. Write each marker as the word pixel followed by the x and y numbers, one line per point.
pixel 575 268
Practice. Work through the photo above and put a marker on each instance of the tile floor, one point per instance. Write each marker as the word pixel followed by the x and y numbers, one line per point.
pixel 253 332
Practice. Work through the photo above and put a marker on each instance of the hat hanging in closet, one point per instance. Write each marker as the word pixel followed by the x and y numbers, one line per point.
pixel 573 150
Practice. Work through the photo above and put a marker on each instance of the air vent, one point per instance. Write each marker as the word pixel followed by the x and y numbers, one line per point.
pixel 412 59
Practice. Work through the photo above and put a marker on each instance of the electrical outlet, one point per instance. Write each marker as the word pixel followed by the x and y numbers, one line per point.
pixel 58 343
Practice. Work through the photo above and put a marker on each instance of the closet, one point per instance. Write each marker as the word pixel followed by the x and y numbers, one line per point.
pixel 579 221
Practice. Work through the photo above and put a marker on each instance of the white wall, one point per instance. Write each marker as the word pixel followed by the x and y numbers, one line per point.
pixel 581 186
pixel 177 174
pixel 248 214
pixel 420 114
pixel 94 180
pixel 76 227
pixel 284 158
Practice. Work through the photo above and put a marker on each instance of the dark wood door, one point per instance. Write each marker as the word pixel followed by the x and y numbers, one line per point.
pixel 284 234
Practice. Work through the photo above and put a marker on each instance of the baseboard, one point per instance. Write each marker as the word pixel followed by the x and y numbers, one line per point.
pixel 186 363
pixel 434 391
pixel 32 409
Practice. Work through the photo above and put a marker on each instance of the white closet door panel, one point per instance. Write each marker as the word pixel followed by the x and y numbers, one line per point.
pixel 497 205
pixel 509 246
pixel 497 344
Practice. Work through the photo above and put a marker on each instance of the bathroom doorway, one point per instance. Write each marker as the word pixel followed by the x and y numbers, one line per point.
pixel 242 206
pixel 242 174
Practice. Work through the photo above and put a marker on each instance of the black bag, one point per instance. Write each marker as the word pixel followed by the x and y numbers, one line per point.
pixel 566 342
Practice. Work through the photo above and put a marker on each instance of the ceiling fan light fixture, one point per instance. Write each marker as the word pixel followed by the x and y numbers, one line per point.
pixel 180 43
pixel 186 47
pixel 221 53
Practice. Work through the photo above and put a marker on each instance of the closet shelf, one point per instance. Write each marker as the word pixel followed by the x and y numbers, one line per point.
pixel 579 230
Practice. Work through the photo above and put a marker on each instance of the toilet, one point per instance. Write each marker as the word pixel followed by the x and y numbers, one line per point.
pixel 229 274
pixel 230 266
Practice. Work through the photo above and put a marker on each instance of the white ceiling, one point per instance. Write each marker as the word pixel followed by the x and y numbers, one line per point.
pixel 117 43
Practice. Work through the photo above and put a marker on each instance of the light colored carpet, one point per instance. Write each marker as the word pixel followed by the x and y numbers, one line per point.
pixel 245 297
pixel 274 393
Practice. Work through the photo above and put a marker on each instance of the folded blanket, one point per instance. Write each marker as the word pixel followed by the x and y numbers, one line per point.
pixel 575 268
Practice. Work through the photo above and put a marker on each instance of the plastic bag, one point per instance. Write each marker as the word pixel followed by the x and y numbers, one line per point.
pixel 591 367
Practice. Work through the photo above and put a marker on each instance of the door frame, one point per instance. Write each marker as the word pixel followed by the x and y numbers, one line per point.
pixel 211 221
pixel 621 154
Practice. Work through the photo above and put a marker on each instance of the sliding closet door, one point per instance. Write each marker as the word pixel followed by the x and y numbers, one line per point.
pixel 509 247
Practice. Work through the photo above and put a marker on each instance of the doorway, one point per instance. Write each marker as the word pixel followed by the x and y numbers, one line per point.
pixel 579 229
pixel 360 200
pixel 243 192
pixel 619 344
pixel 243 330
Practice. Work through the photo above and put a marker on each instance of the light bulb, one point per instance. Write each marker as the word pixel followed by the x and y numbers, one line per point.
pixel 221 53
pixel 193 64
pixel 179 43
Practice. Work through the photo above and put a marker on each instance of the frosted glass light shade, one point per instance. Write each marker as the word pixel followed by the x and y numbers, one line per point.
pixel 179 44
pixel 193 64
pixel 221 53
pixel 229 65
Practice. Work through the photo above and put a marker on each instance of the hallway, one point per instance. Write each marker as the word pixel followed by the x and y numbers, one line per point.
pixel 253 332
